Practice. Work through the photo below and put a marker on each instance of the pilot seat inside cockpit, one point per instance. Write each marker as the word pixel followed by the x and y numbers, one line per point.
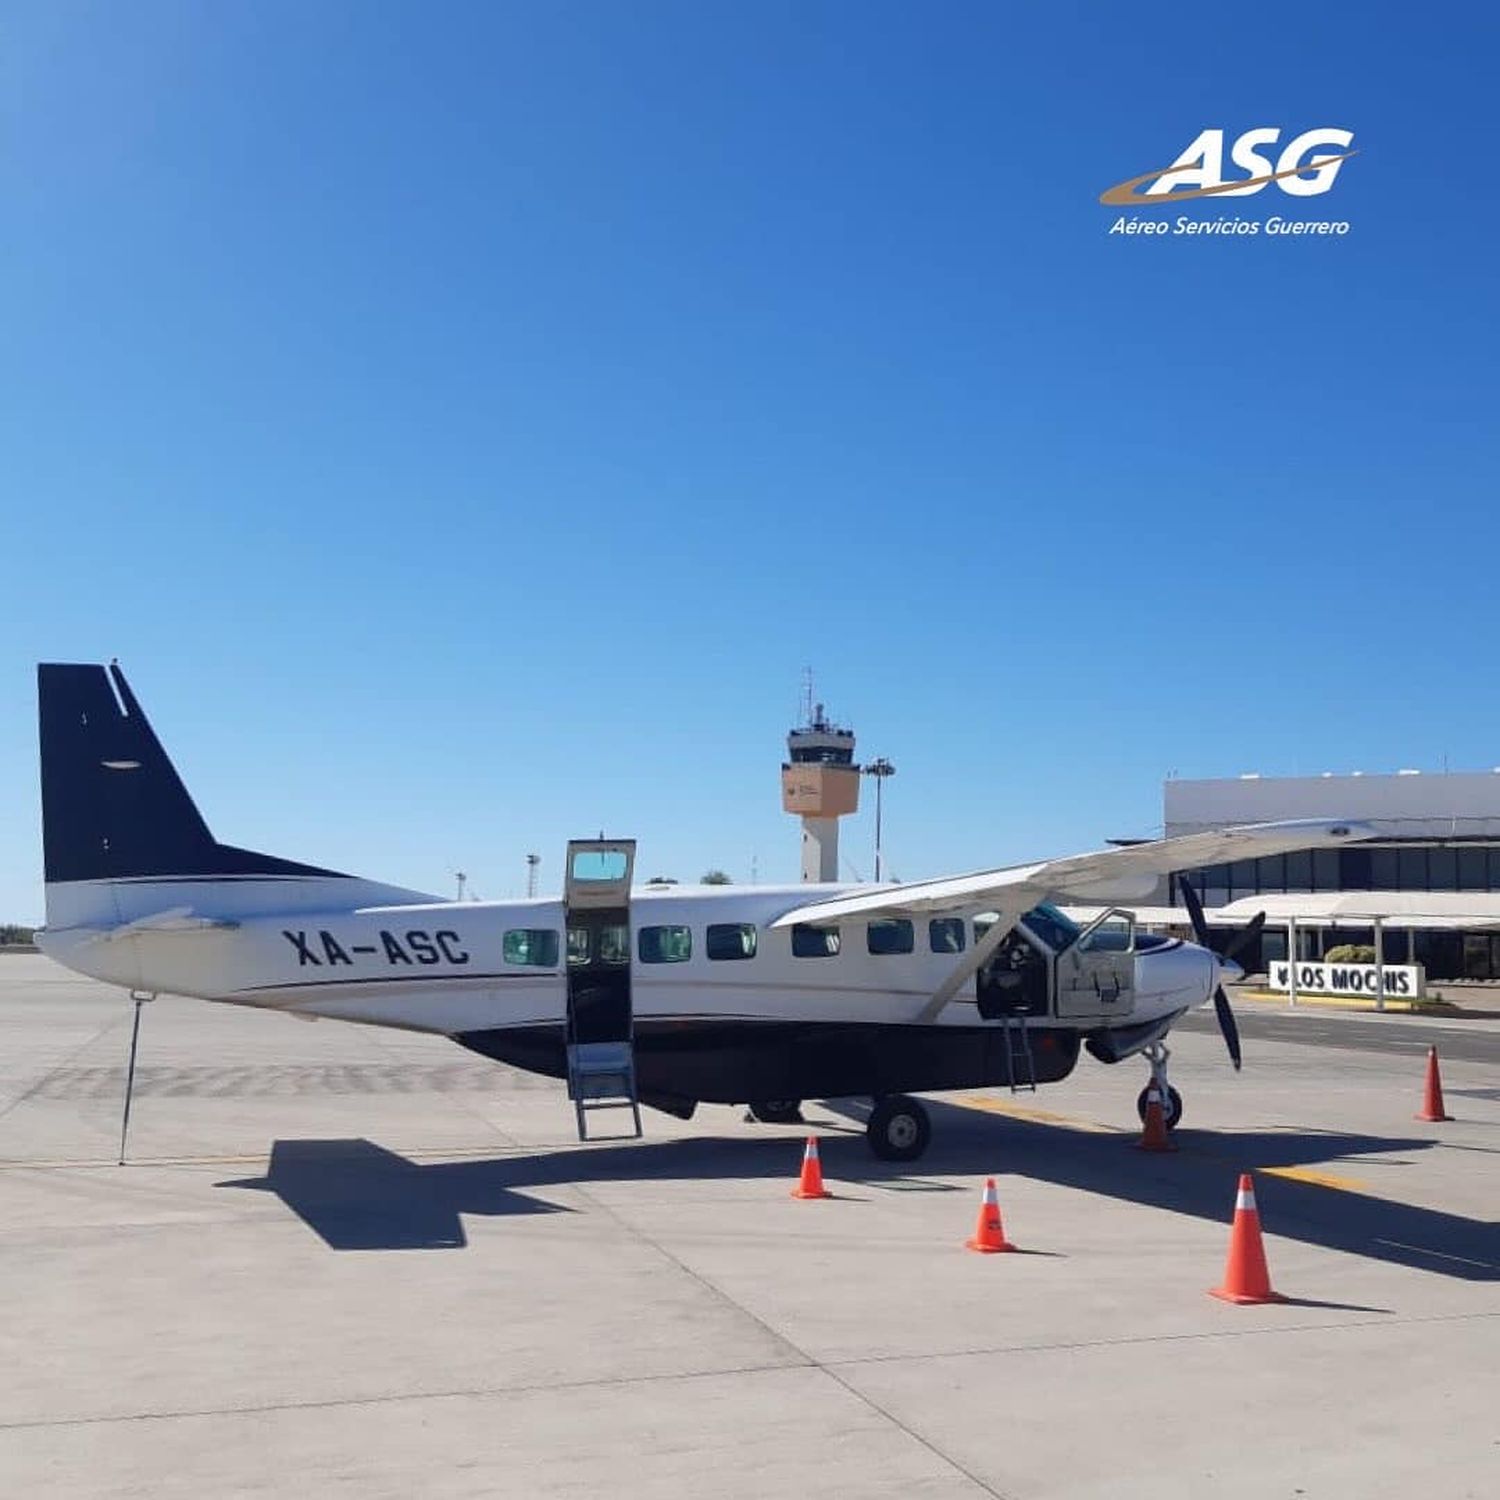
pixel 1014 981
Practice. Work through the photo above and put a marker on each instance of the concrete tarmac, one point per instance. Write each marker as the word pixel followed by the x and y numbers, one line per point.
pixel 347 1260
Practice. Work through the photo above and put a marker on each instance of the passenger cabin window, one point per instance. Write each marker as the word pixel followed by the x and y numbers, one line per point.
pixel 946 934
pixel 535 947
pixel 889 935
pixel 728 941
pixel 609 945
pixel 665 945
pixel 809 941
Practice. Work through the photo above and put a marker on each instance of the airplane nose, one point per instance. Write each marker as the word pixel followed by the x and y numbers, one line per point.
pixel 1230 972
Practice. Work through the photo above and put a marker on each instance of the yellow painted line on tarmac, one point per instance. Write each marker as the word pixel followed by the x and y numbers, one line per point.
pixel 1318 1179
pixel 1033 1116
pixel 1343 1002
pixel 1092 1127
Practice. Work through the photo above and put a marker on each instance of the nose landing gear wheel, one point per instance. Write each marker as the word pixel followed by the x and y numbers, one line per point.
pixel 1171 1106
pixel 898 1129
pixel 777 1111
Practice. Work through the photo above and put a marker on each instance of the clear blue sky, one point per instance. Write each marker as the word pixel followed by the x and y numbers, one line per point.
pixel 464 422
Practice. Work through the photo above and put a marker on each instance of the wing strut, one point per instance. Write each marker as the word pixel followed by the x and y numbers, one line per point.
pixel 971 963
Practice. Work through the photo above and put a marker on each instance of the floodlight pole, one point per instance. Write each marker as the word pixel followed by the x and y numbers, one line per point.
pixel 879 769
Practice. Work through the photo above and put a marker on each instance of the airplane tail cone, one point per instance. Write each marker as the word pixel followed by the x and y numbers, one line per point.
pixel 1432 1093
pixel 1154 1136
pixel 1246 1277
pixel 810 1185
pixel 989 1236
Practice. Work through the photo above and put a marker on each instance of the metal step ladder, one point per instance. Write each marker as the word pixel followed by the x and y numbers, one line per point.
pixel 601 1075
pixel 1020 1066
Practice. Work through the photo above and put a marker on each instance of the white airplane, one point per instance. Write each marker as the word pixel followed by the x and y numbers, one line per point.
pixel 667 995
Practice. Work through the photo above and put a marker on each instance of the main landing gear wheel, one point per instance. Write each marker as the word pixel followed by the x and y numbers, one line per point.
pixel 777 1111
pixel 1171 1106
pixel 898 1128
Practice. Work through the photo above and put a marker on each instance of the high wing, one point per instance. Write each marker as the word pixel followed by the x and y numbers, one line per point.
pixel 1122 874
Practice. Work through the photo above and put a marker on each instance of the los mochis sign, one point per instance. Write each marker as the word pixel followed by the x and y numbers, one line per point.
pixel 1402 981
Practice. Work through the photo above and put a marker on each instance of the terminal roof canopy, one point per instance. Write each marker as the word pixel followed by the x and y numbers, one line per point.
pixel 1398 908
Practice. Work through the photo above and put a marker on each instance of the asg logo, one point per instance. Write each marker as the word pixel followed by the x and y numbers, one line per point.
pixel 1302 168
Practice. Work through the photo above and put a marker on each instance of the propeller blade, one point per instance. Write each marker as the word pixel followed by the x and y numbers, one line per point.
pixel 1227 1026
pixel 1245 937
pixel 1194 911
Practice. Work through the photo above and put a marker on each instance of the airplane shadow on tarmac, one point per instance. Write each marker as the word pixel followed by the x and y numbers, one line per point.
pixel 356 1195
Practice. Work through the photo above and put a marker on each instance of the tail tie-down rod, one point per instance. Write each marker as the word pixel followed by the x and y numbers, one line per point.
pixel 140 999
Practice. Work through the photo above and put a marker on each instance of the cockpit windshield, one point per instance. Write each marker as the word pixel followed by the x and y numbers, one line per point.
pixel 1049 924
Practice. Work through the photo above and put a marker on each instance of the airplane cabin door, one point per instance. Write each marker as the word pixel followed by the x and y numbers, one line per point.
pixel 1096 974
pixel 596 905
pixel 600 1017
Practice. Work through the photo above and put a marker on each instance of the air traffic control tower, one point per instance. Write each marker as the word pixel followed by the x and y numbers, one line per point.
pixel 820 783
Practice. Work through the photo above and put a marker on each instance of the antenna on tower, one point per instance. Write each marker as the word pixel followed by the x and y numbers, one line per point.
pixel 532 862
pixel 807 695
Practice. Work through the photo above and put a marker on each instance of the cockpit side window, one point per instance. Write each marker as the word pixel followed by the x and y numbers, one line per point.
pixel 1051 926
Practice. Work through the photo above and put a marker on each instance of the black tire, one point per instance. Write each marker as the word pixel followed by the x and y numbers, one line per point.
pixel 899 1128
pixel 777 1111
pixel 1171 1106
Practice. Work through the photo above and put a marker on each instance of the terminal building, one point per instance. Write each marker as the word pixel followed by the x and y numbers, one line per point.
pixel 1429 880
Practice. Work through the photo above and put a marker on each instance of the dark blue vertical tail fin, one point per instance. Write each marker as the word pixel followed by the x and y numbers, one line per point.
pixel 113 805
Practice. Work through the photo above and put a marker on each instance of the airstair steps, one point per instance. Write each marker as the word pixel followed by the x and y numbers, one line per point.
pixel 1020 1065
pixel 601 1075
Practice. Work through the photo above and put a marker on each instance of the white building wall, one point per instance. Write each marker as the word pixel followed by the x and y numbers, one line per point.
pixel 1462 805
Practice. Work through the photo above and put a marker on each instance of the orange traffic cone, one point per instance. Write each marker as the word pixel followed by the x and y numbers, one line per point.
pixel 989 1237
pixel 811 1183
pixel 1432 1094
pixel 1154 1136
pixel 1246 1278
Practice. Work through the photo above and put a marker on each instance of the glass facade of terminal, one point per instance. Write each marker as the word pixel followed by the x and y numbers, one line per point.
pixel 1394 867
pixel 1430 866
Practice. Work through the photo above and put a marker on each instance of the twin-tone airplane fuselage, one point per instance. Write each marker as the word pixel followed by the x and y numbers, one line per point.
pixel 691 952
pixel 664 995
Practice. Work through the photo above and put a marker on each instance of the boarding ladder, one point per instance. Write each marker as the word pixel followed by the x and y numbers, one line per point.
pixel 601 1075
pixel 1020 1065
